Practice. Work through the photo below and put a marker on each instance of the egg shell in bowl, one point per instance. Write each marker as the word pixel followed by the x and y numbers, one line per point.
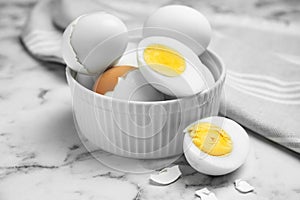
pixel 127 83
pixel 108 80
pixel 133 87
pixel 218 165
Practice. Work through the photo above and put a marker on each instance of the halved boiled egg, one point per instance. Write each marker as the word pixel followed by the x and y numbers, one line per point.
pixel 215 145
pixel 127 83
pixel 172 68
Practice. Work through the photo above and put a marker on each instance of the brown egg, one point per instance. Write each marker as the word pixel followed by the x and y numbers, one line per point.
pixel 108 80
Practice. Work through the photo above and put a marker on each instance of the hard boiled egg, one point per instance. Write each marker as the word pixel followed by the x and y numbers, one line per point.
pixel 94 41
pixel 182 23
pixel 127 83
pixel 172 68
pixel 215 145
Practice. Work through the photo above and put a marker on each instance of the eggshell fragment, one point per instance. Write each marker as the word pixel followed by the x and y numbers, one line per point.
pixel 243 186
pixel 109 79
pixel 167 175
pixel 126 83
pixel 205 194
pixel 133 87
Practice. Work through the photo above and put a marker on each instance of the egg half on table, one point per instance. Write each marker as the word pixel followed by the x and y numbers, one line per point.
pixel 215 145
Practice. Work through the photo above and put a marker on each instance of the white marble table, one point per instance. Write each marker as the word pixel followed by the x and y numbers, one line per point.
pixel 42 156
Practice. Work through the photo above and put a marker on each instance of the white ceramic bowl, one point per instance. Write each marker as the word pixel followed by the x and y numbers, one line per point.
pixel 143 129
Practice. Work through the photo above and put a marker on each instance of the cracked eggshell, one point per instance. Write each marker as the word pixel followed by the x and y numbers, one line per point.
pixel 69 55
pixel 167 175
pixel 205 194
pixel 243 186
pixel 108 80
pixel 93 42
pixel 133 87
pixel 126 82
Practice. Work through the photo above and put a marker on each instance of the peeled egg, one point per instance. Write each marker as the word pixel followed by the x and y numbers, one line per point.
pixel 172 68
pixel 215 145
pixel 183 23
pixel 94 41
pixel 127 83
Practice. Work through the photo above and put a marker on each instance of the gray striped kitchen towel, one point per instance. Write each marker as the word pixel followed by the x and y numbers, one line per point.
pixel 262 88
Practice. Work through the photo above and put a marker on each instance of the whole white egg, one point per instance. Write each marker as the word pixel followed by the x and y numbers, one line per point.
pixel 215 145
pixel 172 68
pixel 182 23
pixel 93 42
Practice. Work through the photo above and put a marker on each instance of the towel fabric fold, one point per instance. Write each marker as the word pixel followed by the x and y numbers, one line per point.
pixel 262 89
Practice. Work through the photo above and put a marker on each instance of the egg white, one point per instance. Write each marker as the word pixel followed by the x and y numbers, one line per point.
pixel 193 80
pixel 218 165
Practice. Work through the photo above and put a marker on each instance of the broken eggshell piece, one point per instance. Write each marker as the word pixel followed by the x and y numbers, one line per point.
pixel 133 87
pixel 205 194
pixel 166 176
pixel 126 82
pixel 86 80
pixel 243 186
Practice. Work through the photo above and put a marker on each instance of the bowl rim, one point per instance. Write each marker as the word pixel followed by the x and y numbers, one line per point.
pixel 161 102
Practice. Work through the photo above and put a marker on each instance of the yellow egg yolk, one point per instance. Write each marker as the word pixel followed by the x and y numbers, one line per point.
pixel 164 60
pixel 210 139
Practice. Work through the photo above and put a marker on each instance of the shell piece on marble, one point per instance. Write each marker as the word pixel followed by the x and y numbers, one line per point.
pixel 205 194
pixel 166 176
pixel 243 186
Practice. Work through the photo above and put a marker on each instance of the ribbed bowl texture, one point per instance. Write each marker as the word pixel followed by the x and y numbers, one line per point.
pixel 143 130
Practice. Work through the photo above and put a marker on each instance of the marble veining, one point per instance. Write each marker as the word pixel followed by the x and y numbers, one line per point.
pixel 42 156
